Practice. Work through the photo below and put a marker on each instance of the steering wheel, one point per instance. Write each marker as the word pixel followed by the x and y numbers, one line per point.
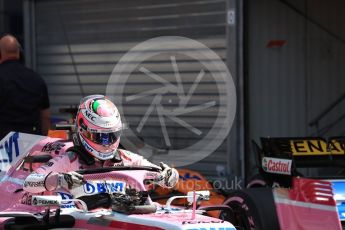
pixel 118 168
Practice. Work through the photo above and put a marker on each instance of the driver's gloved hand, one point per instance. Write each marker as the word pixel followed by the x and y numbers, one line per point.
pixel 70 180
pixel 66 181
pixel 169 176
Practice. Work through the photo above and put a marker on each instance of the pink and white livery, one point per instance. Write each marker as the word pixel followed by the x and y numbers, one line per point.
pixel 130 206
pixel 98 130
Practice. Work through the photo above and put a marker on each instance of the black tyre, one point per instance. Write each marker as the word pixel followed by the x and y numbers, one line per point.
pixel 251 209
pixel 257 181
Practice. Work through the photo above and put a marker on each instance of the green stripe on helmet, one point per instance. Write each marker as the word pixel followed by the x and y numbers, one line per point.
pixel 95 105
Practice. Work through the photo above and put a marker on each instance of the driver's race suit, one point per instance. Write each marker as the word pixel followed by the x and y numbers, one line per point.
pixel 43 179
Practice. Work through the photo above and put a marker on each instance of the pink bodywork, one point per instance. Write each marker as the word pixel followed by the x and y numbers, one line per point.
pixel 13 199
pixel 135 178
pixel 309 204
pixel 11 186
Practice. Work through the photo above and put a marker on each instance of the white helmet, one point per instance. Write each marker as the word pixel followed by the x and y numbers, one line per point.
pixel 99 126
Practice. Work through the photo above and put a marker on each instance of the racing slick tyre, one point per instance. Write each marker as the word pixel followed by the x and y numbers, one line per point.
pixel 257 181
pixel 252 208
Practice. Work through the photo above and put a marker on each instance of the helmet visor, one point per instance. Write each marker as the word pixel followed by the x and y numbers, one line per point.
pixel 104 139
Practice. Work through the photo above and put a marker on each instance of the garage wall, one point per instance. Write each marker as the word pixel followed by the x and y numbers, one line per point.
pixel 276 75
pixel 79 42
pixel 289 85
pixel 326 56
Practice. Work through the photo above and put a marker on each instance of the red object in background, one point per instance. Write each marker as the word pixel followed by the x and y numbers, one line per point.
pixel 63 134
pixel 276 43
pixel 308 204
pixel 312 191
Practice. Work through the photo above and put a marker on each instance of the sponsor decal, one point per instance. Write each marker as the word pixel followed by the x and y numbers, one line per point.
pixel 34 201
pixel 108 124
pixel 276 165
pixel 49 164
pixel 66 196
pixel 42 202
pixel 314 147
pixel 26 198
pixel 53 147
pixel 11 147
pixel 37 175
pixel 102 155
pixel 86 145
pixel 202 221
pixel 125 155
pixel 95 187
pixel 89 115
pixel 34 184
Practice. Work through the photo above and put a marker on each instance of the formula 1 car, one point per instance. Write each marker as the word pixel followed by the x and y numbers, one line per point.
pixel 303 173
pixel 280 196
pixel 111 198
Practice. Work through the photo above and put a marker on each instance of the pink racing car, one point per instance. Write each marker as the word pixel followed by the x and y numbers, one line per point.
pixel 281 197
pixel 112 198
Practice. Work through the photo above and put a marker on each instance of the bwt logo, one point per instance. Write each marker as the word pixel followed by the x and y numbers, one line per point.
pixel 66 204
pixel 10 146
pixel 104 187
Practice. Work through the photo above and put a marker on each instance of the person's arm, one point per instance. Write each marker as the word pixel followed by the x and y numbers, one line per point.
pixel 169 175
pixel 45 110
pixel 45 121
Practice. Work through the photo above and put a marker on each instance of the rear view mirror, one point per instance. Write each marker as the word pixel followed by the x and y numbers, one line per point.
pixel 199 196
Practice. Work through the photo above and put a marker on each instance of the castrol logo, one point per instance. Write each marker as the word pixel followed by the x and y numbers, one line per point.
pixel 276 165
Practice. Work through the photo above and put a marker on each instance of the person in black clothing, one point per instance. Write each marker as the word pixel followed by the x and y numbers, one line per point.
pixel 24 101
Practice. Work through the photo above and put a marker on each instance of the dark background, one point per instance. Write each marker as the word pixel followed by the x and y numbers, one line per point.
pixel 286 56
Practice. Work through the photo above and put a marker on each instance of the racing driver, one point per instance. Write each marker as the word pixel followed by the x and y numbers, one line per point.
pixel 96 142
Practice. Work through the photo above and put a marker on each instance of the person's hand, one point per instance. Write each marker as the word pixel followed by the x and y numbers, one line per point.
pixel 169 175
pixel 70 180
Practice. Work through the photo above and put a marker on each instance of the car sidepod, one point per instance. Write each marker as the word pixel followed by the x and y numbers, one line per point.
pixel 309 204
pixel 155 221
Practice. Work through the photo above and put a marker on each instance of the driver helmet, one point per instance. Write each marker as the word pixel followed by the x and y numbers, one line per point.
pixel 99 126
